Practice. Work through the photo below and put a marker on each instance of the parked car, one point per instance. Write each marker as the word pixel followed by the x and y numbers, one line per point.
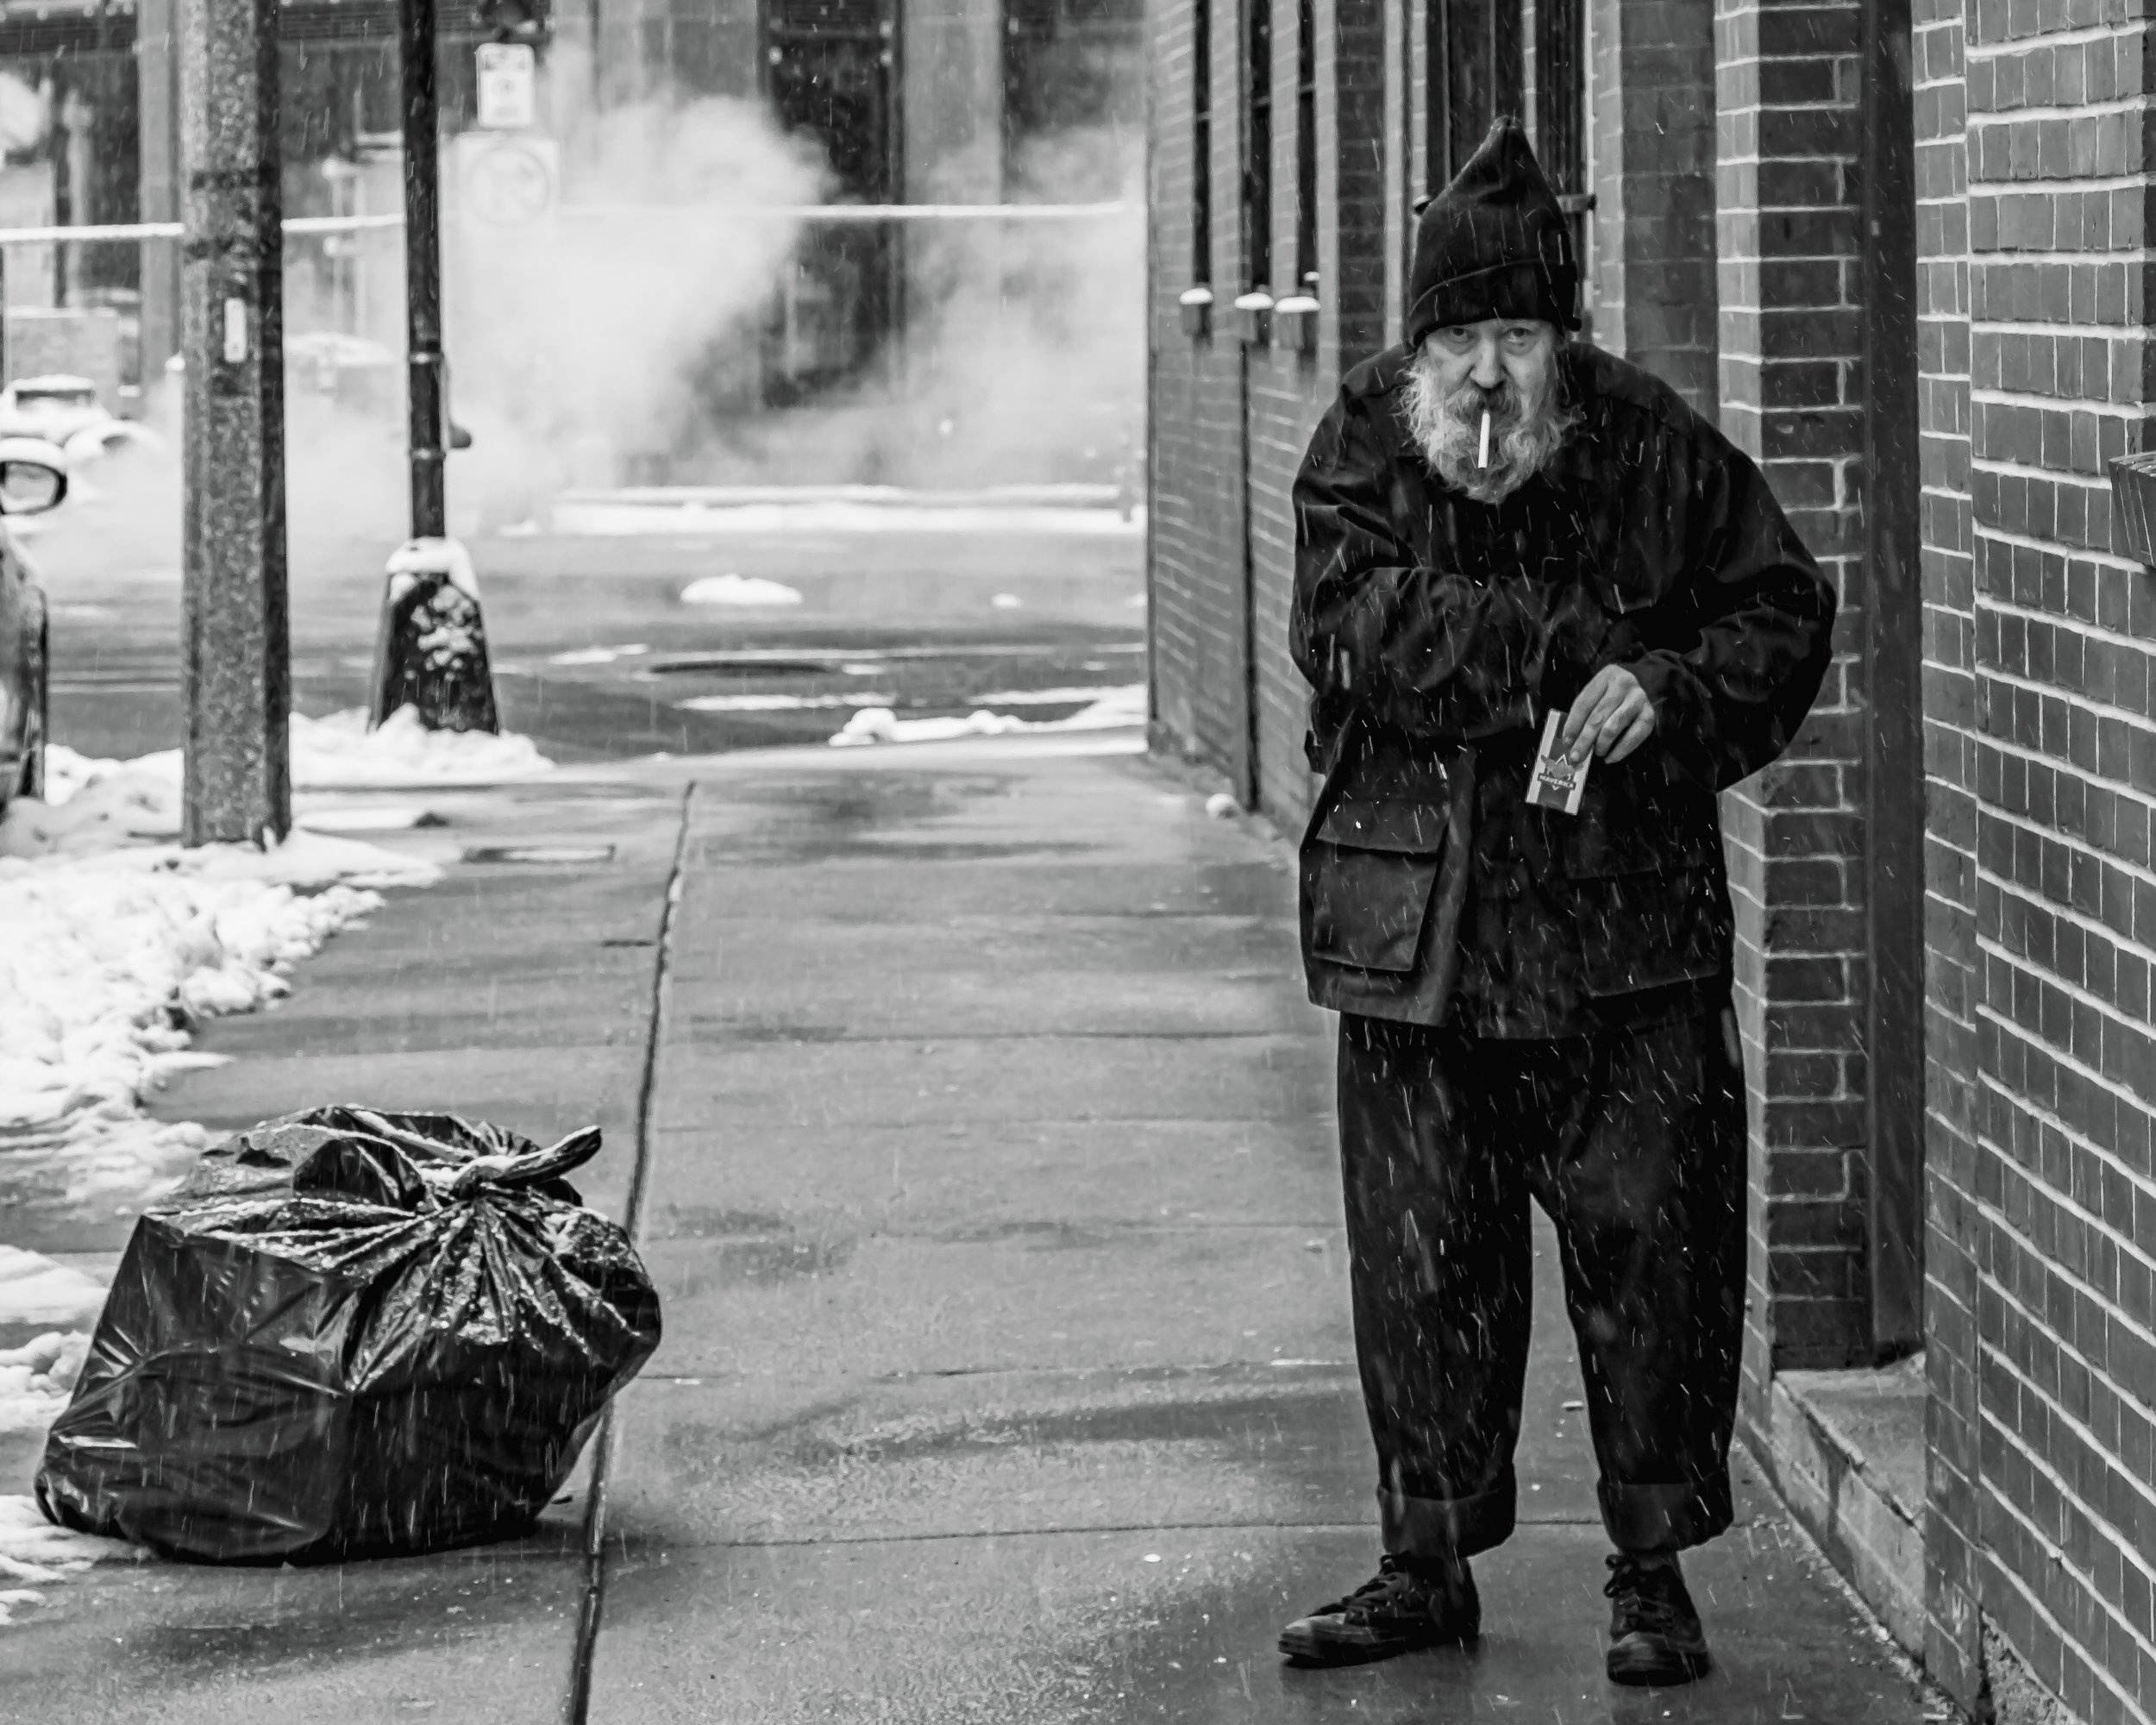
pixel 33 478
pixel 63 410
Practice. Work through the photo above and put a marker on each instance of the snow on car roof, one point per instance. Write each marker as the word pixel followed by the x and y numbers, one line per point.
pixel 55 383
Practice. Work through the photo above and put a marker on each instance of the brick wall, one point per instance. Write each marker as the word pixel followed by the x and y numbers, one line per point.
pixel 1284 405
pixel 1195 513
pixel 1653 286
pixel 1951 980
pixel 1230 423
pixel 2044 1217
pixel 1790 351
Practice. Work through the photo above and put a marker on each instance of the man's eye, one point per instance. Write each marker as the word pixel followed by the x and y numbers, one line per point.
pixel 1456 339
pixel 1519 340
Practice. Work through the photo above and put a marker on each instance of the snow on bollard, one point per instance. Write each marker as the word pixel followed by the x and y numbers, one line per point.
pixel 430 654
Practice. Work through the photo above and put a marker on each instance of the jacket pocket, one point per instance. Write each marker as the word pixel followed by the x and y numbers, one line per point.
pixel 1369 870
pixel 1648 928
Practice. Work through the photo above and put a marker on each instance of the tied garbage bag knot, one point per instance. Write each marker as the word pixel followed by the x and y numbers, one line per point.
pixel 351 1334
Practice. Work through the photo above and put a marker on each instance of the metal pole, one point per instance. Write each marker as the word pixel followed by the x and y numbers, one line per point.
pixel 235 669
pixel 423 270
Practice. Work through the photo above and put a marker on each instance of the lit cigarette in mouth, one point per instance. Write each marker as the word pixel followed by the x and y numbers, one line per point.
pixel 1483 460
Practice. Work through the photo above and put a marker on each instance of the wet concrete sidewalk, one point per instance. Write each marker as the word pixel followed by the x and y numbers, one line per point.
pixel 989 1184
pixel 992 1197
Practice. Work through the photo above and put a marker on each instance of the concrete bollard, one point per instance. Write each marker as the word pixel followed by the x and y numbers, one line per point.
pixel 430 652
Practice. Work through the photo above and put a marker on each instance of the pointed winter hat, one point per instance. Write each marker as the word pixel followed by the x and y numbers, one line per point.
pixel 1494 244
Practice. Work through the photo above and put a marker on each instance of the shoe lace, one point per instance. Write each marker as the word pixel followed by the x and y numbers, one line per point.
pixel 1393 1578
pixel 1643 1594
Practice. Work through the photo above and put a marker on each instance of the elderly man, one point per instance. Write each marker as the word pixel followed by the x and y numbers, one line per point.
pixel 1547 613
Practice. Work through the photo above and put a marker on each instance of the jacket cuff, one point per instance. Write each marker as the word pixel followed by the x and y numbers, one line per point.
pixel 1683 715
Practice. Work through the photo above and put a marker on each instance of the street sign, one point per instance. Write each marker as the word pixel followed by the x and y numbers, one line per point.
pixel 507 182
pixel 509 87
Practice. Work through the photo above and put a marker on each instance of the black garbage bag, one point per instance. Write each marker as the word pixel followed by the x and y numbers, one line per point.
pixel 351 1334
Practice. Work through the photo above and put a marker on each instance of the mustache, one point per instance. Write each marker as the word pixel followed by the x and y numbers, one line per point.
pixel 1525 428
pixel 1504 405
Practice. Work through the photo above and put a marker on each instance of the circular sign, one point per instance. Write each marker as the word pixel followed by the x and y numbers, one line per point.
pixel 509 183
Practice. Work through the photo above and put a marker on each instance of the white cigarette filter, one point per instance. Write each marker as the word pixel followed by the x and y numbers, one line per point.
pixel 1483 460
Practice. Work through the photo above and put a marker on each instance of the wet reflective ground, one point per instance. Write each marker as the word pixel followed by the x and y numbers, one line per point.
pixel 989 1186
pixel 910 621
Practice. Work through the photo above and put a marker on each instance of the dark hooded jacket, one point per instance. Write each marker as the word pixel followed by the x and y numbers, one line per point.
pixel 1672 559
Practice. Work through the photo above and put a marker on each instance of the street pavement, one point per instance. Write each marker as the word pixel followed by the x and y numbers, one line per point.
pixel 922 622
pixel 986 1172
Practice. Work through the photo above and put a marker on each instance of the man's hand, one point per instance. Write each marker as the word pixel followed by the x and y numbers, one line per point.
pixel 1612 716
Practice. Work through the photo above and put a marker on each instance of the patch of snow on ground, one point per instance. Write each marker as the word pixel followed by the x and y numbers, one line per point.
pixel 780 703
pixel 1079 697
pixel 34 1550
pixel 141 797
pixel 339 753
pixel 738 590
pixel 33 1289
pixel 1118 708
pixel 112 956
pixel 37 1378
pixel 597 655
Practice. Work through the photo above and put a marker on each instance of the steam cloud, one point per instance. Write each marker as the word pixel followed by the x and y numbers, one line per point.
pixel 617 341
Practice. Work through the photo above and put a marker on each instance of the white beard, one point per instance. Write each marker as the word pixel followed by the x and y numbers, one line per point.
pixel 1448 430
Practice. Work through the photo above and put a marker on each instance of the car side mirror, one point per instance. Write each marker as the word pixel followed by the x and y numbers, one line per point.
pixel 29 487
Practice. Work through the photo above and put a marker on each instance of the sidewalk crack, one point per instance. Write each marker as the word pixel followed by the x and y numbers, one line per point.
pixel 577 1702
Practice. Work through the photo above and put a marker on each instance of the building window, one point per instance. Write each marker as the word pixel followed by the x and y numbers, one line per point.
pixel 1257 147
pixel 1476 72
pixel 1306 145
pixel 1202 140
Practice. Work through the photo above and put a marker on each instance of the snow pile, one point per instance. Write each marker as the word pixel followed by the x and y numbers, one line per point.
pixel 117 802
pixel 738 590
pixel 339 753
pixel 33 1289
pixel 36 1380
pixel 111 957
pixel 34 1550
pixel 782 703
pixel 93 806
pixel 1120 707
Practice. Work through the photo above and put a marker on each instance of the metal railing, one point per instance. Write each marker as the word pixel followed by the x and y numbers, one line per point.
pixel 835 214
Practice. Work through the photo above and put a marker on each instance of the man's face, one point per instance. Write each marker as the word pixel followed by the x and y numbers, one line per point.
pixel 1497 350
pixel 1501 370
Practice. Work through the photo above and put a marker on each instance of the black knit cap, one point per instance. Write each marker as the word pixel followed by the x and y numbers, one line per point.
pixel 1494 244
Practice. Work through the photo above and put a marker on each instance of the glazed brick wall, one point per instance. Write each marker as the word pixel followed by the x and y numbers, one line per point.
pixel 1217 405
pixel 1952 981
pixel 1652 159
pixel 1194 520
pixel 2061 1223
pixel 1790 353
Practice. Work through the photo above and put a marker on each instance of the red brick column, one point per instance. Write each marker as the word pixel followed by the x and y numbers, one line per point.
pixel 1653 288
pixel 1195 520
pixel 2044 1194
pixel 1952 981
pixel 1791 341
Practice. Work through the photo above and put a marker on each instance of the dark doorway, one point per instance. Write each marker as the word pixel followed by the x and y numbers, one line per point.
pixel 829 69
pixel 1560 109
pixel 1477 72
pixel 1893 670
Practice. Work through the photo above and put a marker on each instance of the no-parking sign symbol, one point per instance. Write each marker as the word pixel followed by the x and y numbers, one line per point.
pixel 508 182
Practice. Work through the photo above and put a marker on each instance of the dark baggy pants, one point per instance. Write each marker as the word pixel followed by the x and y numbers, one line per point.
pixel 1633 1141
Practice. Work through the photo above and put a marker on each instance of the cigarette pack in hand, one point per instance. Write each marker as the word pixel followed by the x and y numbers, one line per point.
pixel 1556 783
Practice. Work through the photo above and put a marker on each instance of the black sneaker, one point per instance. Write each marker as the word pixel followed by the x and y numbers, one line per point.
pixel 1398 1610
pixel 1655 1635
